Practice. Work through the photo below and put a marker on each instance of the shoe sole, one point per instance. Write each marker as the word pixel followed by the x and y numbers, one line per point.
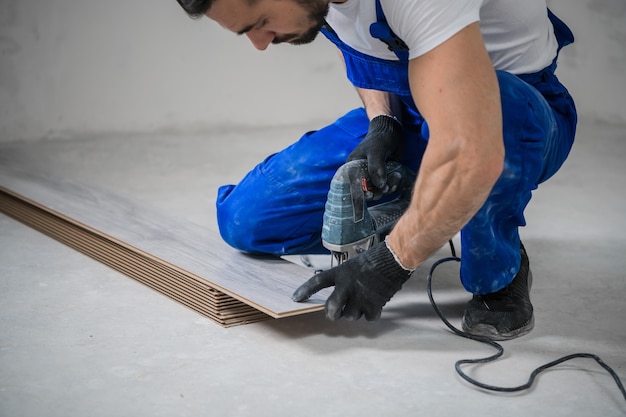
pixel 489 332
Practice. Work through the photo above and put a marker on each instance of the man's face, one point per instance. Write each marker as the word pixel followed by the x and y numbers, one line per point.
pixel 271 21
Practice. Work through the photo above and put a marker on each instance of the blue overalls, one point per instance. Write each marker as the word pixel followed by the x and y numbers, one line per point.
pixel 277 208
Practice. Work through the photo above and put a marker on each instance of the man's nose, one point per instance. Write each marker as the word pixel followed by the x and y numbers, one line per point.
pixel 261 39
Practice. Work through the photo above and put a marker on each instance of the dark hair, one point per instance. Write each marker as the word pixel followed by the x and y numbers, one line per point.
pixel 196 8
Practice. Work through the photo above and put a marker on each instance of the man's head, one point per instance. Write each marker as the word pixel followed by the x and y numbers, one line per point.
pixel 195 8
pixel 264 22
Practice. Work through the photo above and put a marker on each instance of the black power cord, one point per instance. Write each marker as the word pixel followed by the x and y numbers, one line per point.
pixel 499 348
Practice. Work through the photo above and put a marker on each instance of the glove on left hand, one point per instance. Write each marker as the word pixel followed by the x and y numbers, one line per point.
pixel 363 285
pixel 384 140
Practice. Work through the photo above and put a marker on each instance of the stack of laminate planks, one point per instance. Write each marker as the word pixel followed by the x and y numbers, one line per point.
pixel 189 264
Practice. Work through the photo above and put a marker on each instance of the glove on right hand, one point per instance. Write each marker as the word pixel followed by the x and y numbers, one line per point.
pixel 383 140
pixel 363 284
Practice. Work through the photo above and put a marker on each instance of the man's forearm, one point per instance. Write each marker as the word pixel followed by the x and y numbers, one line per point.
pixel 379 102
pixel 465 152
pixel 448 192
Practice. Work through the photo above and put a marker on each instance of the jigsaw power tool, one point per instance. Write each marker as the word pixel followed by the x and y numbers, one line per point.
pixel 350 226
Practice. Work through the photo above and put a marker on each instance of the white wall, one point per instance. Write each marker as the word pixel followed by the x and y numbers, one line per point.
pixel 594 67
pixel 79 66
pixel 76 67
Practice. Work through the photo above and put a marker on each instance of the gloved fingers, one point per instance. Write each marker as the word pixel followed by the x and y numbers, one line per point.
pixel 372 314
pixel 316 283
pixel 356 154
pixel 336 303
pixel 373 307
pixel 377 170
pixel 352 311
pixel 394 181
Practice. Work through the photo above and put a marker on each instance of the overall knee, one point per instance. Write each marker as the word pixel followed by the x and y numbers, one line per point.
pixel 236 220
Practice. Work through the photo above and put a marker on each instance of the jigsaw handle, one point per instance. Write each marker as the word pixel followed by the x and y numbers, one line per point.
pixel 347 218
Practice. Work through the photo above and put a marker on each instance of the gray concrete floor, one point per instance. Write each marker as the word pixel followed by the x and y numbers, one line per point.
pixel 79 339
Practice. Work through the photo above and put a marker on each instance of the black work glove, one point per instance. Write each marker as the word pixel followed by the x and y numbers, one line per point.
pixel 363 284
pixel 383 141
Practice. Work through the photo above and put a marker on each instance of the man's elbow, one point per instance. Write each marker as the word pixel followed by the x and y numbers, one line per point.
pixel 491 167
pixel 484 166
pixel 494 166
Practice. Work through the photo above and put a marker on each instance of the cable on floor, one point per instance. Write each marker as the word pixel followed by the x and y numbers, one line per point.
pixel 499 348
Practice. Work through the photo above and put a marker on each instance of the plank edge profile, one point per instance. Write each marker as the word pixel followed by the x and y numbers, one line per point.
pixel 173 281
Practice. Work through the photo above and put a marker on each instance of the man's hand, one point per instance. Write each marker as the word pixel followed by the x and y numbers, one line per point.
pixel 363 284
pixel 383 140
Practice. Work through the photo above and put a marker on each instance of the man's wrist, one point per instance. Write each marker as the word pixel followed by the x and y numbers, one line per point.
pixel 384 115
pixel 395 257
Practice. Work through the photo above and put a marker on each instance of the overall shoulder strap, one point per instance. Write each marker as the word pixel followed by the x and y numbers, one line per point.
pixel 564 35
pixel 381 30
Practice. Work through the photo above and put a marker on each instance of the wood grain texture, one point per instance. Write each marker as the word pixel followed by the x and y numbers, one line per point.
pixel 180 260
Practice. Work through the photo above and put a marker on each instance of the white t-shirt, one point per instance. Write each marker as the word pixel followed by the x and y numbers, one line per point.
pixel 518 34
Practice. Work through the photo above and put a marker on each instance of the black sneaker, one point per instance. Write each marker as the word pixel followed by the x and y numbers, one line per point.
pixel 505 314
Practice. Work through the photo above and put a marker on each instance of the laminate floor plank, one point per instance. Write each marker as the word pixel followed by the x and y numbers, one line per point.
pixel 186 263
pixel 209 302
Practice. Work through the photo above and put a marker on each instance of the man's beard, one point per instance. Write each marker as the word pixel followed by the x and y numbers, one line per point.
pixel 317 15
